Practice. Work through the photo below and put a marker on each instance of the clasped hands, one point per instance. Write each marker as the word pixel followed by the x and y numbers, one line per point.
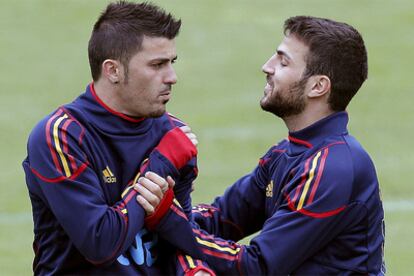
pixel 152 187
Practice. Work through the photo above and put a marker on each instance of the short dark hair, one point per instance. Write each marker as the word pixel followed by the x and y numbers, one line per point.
pixel 119 31
pixel 336 50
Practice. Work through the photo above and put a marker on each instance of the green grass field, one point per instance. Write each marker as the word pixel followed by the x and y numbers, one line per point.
pixel 221 49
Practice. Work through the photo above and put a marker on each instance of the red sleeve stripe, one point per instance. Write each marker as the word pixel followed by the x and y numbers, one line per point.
pixel 119 211
pixel 178 211
pixel 65 144
pixel 205 214
pixel 49 140
pixel 318 177
pixel 130 195
pixel 183 263
pixel 61 178
pixel 219 255
pixel 210 238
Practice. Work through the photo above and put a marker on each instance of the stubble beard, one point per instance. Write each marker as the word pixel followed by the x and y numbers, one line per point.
pixel 286 103
pixel 153 113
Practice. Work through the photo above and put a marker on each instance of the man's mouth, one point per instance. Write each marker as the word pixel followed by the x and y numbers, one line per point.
pixel 268 88
pixel 165 95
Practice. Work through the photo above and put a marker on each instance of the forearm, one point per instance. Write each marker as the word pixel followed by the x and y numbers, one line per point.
pixel 236 214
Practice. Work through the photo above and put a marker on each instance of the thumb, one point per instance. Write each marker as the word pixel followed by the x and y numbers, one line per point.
pixel 171 182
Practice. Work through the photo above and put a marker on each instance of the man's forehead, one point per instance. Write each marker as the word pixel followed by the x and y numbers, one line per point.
pixel 292 48
pixel 157 47
pixel 157 43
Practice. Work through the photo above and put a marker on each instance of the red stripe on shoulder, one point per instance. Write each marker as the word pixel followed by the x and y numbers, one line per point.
pixel 65 144
pixel 82 134
pixel 319 175
pixel 49 140
pixel 302 182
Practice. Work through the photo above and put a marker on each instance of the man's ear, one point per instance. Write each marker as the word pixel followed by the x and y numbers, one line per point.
pixel 320 85
pixel 111 70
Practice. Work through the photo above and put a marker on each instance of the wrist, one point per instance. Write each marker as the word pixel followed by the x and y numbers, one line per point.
pixel 154 219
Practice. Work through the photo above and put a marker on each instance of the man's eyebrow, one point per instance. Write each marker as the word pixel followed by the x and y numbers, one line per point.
pixel 164 59
pixel 283 53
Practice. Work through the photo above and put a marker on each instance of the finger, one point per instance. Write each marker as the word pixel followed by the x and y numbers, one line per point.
pixel 194 141
pixel 191 135
pixel 193 138
pixel 149 209
pixel 158 180
pixel 154 188
pixel 148 195
pixel 171 182
pixel 185 129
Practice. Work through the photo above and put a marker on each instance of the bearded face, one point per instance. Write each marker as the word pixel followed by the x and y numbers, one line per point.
pixel 285 102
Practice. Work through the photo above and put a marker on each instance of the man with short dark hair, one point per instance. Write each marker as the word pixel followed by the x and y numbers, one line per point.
pixel 84 159
pixel 314 197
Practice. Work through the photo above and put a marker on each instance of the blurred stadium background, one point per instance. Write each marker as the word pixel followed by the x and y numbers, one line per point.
pixel 221 48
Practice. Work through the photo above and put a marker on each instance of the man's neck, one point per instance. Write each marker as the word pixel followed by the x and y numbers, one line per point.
pixel 106 93
pixel 308 117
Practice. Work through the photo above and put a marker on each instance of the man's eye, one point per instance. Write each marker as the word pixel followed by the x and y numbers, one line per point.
pixel 157 65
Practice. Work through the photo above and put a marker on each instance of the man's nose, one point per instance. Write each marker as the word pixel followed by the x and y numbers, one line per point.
pixel 171 77
pixel 269 66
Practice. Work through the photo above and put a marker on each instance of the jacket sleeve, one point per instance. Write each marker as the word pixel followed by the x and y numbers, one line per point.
pixel 241 210
pixel 60 173
pixel 293 233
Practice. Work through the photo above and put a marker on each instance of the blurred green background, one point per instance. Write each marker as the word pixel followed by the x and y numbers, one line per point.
pixel 221 48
